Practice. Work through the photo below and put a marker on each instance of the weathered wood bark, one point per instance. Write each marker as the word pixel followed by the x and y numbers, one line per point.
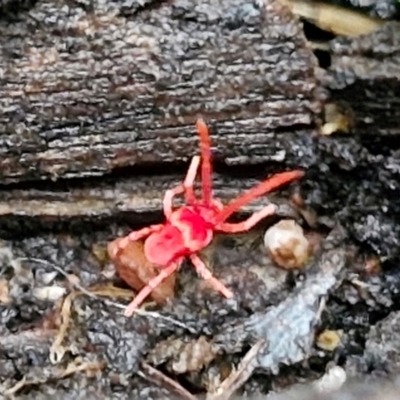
pixel 366 74
pixel 89 89
pixel 102 199
pixel 84 92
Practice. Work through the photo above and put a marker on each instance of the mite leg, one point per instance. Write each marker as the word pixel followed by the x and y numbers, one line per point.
pixel 141 296
pixel 264 187
pixel 168 198
pixel 205 273
pixel 189 180
pixel 206 168
pixel 249 223
pixel 186 187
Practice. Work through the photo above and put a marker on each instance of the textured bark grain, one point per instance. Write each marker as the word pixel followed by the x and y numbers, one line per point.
pixel 365 73
pixel 138 195
pixel 89 87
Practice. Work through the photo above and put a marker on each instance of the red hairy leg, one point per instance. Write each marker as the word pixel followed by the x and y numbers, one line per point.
pixel 206 168
pixel 141 296
pixel 189 180
pixel 262 188
pixel 248 223
pixel 168 197
pixel 205 273
pixel 186 187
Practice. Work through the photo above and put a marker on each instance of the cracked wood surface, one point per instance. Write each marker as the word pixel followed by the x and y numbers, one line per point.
pixel 88 87
pixel 86 90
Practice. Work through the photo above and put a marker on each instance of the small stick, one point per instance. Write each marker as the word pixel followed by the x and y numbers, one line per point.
pixel 237 378
pixel 158 377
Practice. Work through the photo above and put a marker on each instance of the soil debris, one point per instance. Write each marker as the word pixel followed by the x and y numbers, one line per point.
pixel 328 340
pixel 154 375
pixel 382 390
pixel 196 341
pixel 239 376
pixel 289 328
pixel 381 348
pixel 40 375
pixel 180 356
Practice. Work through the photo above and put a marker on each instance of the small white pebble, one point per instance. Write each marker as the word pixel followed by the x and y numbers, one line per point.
pixel 286 244
pixel 49 293
pixel 109 271
pixel 333 380
pixel 48 277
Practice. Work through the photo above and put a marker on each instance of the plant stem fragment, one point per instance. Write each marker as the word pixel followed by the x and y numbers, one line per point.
pixel 158 377
pixel 237 378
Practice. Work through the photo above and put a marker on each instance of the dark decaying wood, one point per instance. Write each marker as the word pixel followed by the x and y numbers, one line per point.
pixel 103 199
pixel 84 91
pixel 365 73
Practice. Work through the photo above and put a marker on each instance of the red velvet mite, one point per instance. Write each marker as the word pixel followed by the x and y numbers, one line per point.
pixel 190 228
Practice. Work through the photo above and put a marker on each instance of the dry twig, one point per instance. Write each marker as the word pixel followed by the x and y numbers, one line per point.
pixel 237 378
pixel 158 377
